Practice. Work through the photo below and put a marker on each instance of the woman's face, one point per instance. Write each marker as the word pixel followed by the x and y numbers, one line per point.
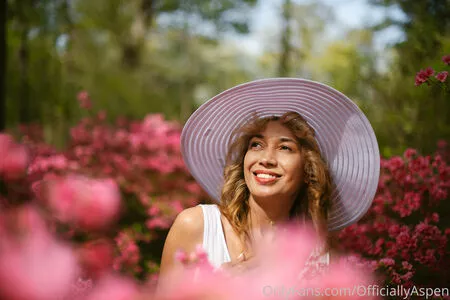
pixel 273 164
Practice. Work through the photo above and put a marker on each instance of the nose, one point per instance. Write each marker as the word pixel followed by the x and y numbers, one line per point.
pixel 267 159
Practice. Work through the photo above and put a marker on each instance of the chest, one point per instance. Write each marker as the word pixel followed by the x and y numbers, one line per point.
pixel 234 244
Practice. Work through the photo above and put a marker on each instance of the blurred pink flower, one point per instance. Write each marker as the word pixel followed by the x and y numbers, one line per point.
pixel 446 59
pixel 340 282
pixel 6 141
pixel 114 288
pixel 157 222
pixel 410 153
pixel 442 76
pixel 79 289
pixel 388 262
pixel 155 123
pixel 129 254
pixel 153 211
pixel 88 203
pixel 177 206
pixel 96 257
pixel 280 259
pixel 33 265
pixel 411 202
pixel 84 100
pixel 181 256
pixel 14 158
pixel 101 115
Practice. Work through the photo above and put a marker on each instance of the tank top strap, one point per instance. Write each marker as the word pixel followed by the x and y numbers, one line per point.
pixel 214 242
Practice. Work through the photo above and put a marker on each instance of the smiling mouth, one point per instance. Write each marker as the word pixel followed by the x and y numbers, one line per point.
pixel 264 178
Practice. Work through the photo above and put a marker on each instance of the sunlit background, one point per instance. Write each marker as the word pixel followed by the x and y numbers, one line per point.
pixel 141 56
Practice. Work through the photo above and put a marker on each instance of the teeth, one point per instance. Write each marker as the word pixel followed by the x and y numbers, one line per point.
pixel 260 175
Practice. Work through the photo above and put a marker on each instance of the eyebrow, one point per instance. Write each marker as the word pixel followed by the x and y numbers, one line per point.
pixel 282 139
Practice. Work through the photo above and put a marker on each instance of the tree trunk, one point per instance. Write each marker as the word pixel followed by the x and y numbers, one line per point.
pixel 284 67
pixel 25 106
pixel 3 60
pixel 24 98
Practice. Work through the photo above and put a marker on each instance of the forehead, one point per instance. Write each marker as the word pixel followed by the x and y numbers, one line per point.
pixel 274 129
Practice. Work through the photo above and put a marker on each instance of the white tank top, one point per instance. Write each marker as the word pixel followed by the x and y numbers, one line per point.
pixel 214 242
pixel 213 236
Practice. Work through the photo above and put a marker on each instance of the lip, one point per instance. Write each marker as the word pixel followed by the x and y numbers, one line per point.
pixel 265 181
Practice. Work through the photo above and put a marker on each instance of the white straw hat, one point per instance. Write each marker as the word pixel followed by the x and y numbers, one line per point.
pixel 345 136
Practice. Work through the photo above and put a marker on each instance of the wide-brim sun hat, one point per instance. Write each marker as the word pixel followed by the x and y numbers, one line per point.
pixel 344 134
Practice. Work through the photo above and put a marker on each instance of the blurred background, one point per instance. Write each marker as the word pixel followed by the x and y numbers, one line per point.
pixel 137 57
pixel 100 89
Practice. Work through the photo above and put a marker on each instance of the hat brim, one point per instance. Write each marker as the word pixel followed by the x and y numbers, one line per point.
pixel 346 138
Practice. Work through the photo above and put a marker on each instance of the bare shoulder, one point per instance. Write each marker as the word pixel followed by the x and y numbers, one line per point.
pixel 189 221
pixel 185 234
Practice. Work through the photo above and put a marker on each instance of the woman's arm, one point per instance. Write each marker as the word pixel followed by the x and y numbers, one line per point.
pixel 185 233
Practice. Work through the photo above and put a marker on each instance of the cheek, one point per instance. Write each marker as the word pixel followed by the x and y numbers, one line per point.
pixel 248 161
pixel 246 166
pixel 296 171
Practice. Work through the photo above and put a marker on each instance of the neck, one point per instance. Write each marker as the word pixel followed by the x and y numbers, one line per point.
pixel 268 213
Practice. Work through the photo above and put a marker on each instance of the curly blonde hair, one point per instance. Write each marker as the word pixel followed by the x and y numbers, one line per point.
pixel 312 202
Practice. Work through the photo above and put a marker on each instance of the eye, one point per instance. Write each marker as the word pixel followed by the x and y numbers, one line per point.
pixel 255 145
pixel 284 147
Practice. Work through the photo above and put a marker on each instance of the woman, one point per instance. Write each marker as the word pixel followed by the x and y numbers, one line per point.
pixel 272 151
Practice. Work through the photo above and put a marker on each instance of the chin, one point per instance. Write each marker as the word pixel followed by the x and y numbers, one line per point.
pixel 263 194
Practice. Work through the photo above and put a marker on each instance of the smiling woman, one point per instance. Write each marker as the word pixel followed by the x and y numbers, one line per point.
pixel 271 152
pixel 284 177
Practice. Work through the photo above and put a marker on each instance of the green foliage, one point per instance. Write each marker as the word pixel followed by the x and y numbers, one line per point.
pixel 136 57
pixel 408 116
pixel 140 56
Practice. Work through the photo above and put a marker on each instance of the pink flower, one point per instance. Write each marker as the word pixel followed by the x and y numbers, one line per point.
pixel 6 141
pixel 101 116
pixel 343 277
pixel 157 222
pixel 199 256
pixel 442 144
pixel 407 276
pixel 153 211
pixel 33 265
pixel 442 76
pixel 406 265
pixel 446 59
pixel 79 289
pixel 88 203
pixel 388 262
pixel 114 288
pixel 96 257
pixel 129 253
pixel 423 75
pixel 14 158
pixel 281 261
pixel 410 153
pixel 84 100
pixel 181 256
pixel 435 217
pixel 177 206
pixel 395 163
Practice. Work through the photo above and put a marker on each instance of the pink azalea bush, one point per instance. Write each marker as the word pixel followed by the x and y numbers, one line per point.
pixel 33 265
pixel 139 161
pixel 430 76
pixel 36 264
pixel 104 204
pixel 405 234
